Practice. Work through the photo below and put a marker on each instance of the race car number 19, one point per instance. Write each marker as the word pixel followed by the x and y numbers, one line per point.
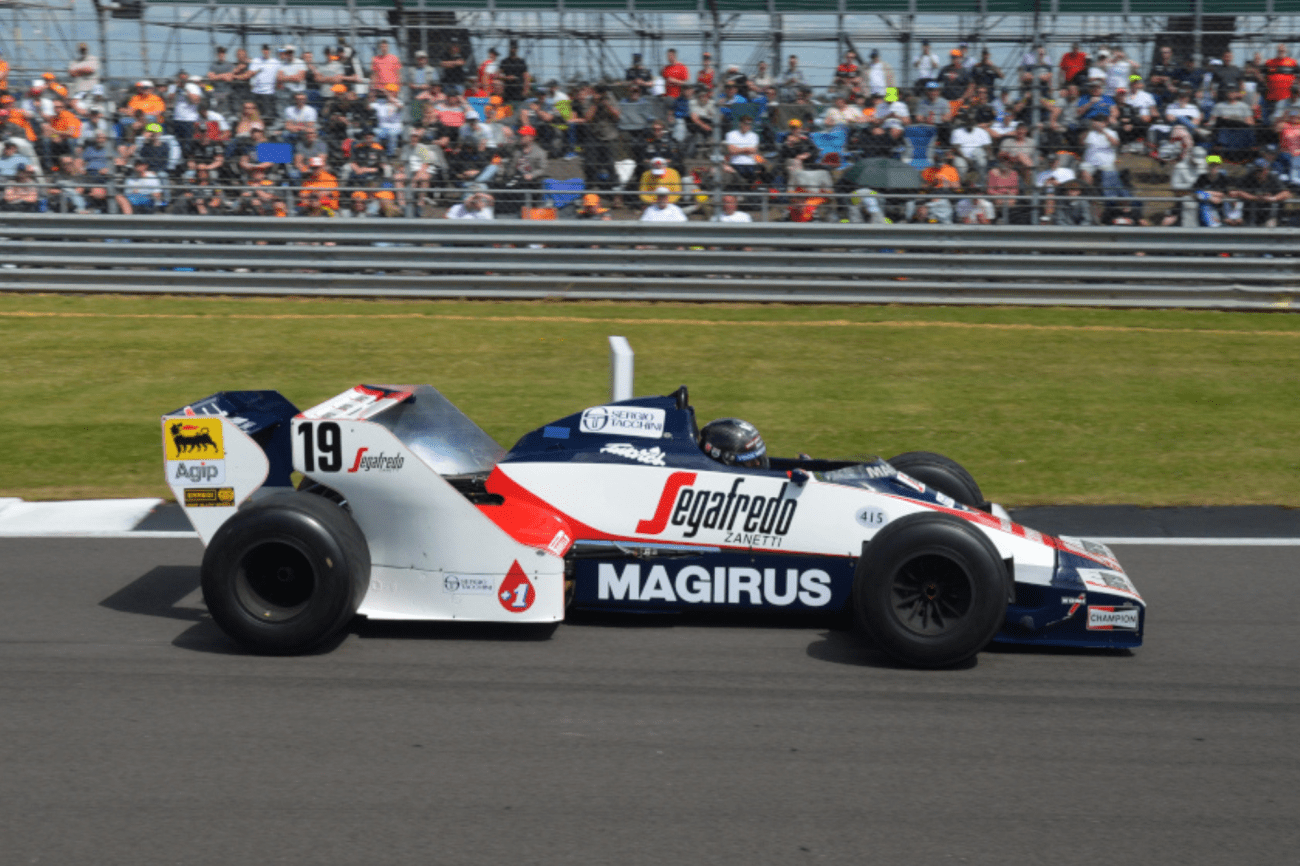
pixel 325 438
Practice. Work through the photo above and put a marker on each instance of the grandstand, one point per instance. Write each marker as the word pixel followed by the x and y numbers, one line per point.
pixel 593 38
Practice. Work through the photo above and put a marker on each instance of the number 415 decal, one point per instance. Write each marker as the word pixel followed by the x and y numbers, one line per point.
pixel 325 438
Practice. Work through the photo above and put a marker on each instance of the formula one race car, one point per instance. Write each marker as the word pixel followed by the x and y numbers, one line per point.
pixel 406 510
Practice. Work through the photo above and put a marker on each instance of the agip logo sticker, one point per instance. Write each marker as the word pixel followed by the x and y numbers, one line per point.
pixel 193 439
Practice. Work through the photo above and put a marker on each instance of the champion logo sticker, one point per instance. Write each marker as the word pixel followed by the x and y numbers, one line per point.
pixel 516 594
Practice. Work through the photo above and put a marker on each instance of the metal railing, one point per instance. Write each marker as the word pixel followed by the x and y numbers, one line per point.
pixel 812 262
pixel 406 201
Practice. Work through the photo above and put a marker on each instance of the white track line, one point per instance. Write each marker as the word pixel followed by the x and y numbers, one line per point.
pixel 1204 542
pixel 1146 542
pixel 122 533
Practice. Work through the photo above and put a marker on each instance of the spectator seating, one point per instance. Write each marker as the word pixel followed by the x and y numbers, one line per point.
pixel 834 142
pixel 920 140
pixel 564 192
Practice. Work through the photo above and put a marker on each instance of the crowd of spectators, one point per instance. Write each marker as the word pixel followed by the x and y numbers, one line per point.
pixel 327 134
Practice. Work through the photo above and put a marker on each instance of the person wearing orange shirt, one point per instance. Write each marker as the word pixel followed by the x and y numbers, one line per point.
pixel 324 186
pixel 385 68
pixel 703 78
pixel 4 74
pixel 144 99
pixel 18 117
pixel 1279 74
pixel 676 75
pixel 1073 62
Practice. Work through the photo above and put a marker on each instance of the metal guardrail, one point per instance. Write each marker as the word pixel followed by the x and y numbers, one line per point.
pixel 810 262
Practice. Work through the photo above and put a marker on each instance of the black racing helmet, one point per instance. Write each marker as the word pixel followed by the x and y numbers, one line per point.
pixel 734 442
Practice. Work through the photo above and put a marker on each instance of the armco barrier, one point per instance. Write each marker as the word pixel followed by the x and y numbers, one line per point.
pixel 1164 267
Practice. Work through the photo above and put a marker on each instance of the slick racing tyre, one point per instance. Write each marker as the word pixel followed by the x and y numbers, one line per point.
pixel 930 590
pixel 286 573
pixel 941 473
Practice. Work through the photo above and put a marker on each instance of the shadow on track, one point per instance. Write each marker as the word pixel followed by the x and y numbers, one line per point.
pixel 159 592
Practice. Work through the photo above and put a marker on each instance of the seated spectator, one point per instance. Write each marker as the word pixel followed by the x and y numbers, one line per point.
pixel 660 175
pixel 421 162
pixel 308 147
pixel 144 100
pixel 743 151
pixel 971 142
pixel 937 210
pixel 1060 173
pixel 299 117
pixel 590 209
pixel 476 206
pixel 943 175
pixel 933 109
pixel 729 212
pixel 260 199
pixel 357 206
pixel 23 194
pixel 702 116
pixel 143 189
pixel 973 210
pixel 1003 186
pixel 153 150
pixel 1020 150
pixel 367 163
pixel 663 210
pixel 320 193
pixel 249 117
pixel 797 153
pixel 96 156
pixel 657 143
pixel 11 160
pixel 1073 210
pixel 1211 190
pixel 389 113
pixel 1262 194
pixel 248 158
pixel 1232 114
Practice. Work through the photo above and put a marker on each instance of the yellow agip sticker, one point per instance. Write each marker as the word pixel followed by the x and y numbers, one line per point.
pixel 193 438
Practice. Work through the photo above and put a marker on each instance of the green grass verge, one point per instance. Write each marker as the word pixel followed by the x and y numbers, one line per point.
pixel 1042 405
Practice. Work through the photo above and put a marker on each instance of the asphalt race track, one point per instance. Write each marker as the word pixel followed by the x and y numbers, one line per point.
pixel 132 732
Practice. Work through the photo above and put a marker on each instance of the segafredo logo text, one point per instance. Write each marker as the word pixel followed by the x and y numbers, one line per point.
pixel 380 462
pixel 695 584
pixel 750 512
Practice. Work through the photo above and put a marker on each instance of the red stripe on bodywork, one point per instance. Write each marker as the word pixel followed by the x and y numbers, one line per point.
pixel 656 524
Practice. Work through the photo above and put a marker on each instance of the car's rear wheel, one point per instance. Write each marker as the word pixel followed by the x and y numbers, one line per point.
pixel 941 473
pixel 286 573
pixel 930 590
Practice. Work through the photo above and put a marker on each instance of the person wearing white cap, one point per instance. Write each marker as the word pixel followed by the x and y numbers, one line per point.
pixel 663 211
pixel 660 174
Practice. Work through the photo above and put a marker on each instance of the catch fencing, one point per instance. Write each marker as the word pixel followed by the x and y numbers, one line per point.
pixel 777 262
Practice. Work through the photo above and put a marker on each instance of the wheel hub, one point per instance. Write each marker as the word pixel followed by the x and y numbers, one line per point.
pixel 932 595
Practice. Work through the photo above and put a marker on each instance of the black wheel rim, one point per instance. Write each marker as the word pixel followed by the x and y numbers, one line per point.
pixel 932 595
pixel 275 581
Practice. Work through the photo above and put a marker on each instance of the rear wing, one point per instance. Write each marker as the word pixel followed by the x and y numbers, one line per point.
pixel 223 449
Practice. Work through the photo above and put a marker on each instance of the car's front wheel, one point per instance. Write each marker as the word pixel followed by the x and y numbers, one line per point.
pixel 286 573
pixel 930 590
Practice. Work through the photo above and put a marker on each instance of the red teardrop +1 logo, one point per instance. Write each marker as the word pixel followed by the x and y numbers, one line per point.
pixel 516 594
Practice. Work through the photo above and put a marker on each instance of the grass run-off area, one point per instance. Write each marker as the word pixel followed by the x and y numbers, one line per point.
pixel 1042 405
